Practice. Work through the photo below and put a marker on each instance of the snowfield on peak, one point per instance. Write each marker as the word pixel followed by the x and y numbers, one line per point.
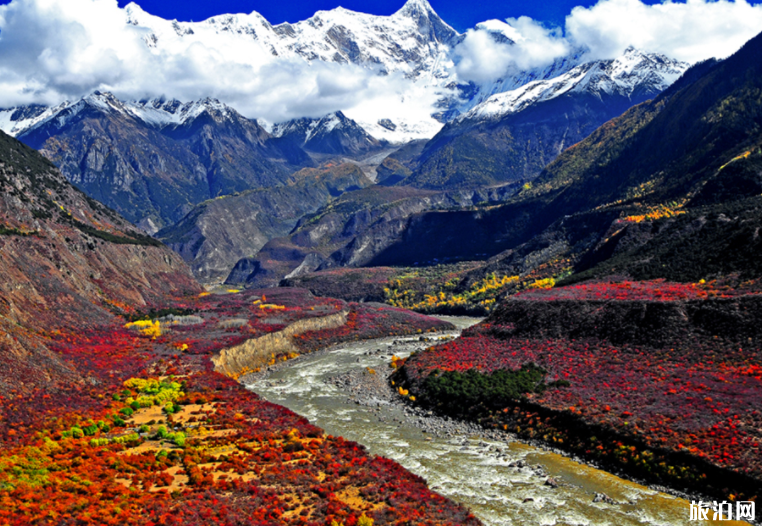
pixel 156 113
pixel 396 76
pixel 633 71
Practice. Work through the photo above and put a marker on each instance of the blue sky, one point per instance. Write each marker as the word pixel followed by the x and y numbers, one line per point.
pixel 461 14
pixel 458 13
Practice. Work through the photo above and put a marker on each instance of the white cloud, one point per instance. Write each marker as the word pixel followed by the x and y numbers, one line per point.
pixel 494 49
pixel 54 50
pixel 690 31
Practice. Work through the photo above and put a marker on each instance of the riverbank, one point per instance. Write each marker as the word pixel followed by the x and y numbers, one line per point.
pixel 373 389
pixel 152 435
pixel 662 390
pixel 503 480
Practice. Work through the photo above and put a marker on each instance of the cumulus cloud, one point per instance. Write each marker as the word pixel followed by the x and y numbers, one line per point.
pixel 494 48
pixel 55 50
pixel 690 31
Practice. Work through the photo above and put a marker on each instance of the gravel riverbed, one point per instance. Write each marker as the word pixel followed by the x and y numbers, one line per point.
pixel 346 390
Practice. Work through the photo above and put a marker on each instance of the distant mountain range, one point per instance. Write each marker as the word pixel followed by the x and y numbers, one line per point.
pixel 154 160
pixel 162 163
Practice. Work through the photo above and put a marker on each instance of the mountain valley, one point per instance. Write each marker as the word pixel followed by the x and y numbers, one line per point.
pixel 520 255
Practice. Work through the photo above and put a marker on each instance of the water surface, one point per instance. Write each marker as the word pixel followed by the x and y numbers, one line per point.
pixel 467 468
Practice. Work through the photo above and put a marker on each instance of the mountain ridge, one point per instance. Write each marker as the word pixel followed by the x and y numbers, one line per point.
pixel 513 135
pixel 68 262
pixel 154 168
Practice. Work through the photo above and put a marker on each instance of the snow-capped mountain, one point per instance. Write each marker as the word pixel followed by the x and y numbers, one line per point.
pixel 333 134
pixel 414 40
pixel 413 43
pixel 632 75
pixel 154 160
pixel 156 113
pixel 15 121
pixel 513 135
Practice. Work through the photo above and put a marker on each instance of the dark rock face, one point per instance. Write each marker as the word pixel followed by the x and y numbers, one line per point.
pixel 515 147
pixel 153 174
pixel 219 232
pixel 353 231
pixel 67 262
pixel 334 134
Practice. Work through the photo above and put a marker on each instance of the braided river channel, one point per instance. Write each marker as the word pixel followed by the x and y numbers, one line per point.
pixel 502 480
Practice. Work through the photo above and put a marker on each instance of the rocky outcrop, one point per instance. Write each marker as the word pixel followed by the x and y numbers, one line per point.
pixel 219 232
pixel 69 263
pixel 257 352
pixel 353 231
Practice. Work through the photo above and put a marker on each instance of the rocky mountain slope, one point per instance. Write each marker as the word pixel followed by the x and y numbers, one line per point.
pixel 352 230
pixel 153 160
pixel 219 232
pixel 67 261
pixel 513 135
pixel 334 134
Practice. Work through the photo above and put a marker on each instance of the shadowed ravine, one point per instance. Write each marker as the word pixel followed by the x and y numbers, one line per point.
pixel 502 481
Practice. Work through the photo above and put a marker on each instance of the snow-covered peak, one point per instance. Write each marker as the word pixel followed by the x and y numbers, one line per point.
pixel 161 112
pixel 134 13
pixel 634 73
pixel 22 119
pixel 17 120
pixel 412 41
pixel 156 113
pixel 104 101
pixel 309 128
pixel 413 6
pixel 418 9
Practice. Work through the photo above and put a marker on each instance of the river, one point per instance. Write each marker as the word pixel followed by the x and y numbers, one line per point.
pixel 502 480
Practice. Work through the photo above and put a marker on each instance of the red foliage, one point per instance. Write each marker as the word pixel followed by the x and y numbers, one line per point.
pixel 699 396
pixel 244 461
pixel 655 290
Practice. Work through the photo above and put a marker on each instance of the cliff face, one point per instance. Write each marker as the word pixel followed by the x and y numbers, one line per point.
pixel 219 232
pixel 67 262
pixel 355 230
